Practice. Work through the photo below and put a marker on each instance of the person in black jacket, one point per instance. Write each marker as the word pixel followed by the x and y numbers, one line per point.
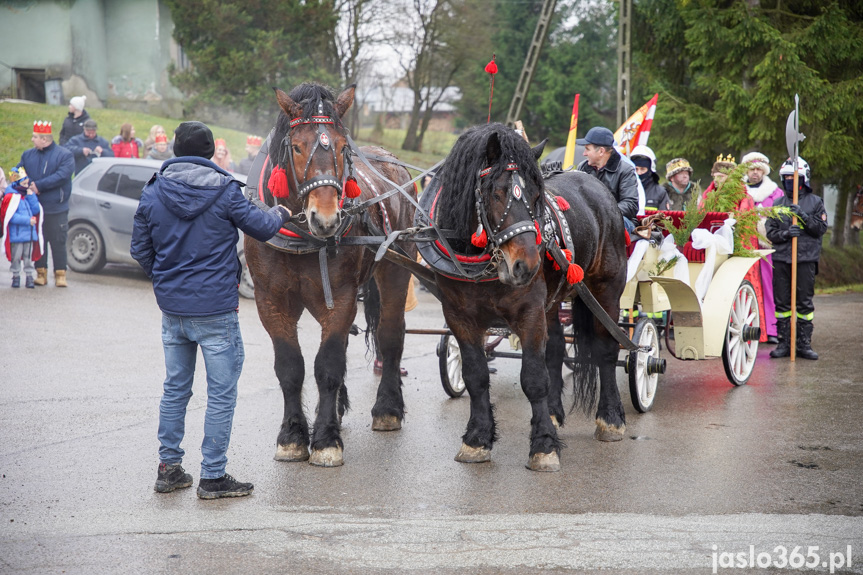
pixel 811 214
pixel 655 196
pixel 185 237
pixel 605 163
pixel 73 125
pixel 88 145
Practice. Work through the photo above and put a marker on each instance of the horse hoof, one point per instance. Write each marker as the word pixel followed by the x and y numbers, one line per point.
pixel 544 462
pixel 606 432
pixel 328 457
pixel 555 423
pixel 468 454
pixel 292 452
pixel 386 423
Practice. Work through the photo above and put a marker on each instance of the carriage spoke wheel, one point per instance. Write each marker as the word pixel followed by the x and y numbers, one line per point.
pixel 741 336
pixel 449 362
pixel 644 367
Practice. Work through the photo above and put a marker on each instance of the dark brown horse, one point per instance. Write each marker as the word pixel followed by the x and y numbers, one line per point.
pixel 490 190
pixel 310 144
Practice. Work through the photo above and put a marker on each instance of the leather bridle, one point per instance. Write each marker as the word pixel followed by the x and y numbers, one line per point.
pixel 497 236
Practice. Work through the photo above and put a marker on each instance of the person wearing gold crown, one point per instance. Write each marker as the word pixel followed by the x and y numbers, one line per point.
pixel 253 146
pixel 19 212
pixel 50 168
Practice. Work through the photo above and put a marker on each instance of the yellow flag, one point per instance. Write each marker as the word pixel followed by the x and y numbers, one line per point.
pixel 569 155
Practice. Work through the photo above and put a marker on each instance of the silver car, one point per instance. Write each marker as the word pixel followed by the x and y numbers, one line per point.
pixel 102 208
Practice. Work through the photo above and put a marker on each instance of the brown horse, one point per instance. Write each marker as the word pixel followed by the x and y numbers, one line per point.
pixel 311 145
pixel 490 190
pixel 857 210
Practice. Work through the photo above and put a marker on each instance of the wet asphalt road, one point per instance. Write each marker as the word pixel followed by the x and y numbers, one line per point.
pixel 712 470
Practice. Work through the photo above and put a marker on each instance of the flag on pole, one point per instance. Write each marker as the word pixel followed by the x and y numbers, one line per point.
pixel 636 130
pixel 569 155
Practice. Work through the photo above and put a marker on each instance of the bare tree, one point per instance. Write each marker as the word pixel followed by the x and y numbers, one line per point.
pixel 434 39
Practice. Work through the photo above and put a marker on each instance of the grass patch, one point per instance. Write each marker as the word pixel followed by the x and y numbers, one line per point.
pixel 16 127
pixel 853 288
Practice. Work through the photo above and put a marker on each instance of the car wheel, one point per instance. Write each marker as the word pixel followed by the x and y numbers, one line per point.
pixel 247 286
pixel 85 249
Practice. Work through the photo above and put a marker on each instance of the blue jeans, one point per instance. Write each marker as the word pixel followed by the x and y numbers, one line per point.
pixel 222 347
pixel 630 227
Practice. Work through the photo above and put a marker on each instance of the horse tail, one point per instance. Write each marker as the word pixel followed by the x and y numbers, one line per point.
pixel 585 373
pixel 372 310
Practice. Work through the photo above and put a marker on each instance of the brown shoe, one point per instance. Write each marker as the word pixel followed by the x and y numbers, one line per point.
pixel 41 277
pixel 60 278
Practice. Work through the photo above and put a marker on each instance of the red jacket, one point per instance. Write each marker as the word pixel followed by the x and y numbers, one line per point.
pixel 124 149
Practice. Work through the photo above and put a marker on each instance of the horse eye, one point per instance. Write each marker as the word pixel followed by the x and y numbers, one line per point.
pixel 297 149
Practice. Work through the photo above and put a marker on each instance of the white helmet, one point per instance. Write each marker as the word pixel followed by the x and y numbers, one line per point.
pixel 787 169
pixel 647 153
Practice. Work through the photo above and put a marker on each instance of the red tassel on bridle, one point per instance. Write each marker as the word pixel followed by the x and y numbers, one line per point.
pixel 538 233
pixel 352 188
pixel 479 237
pixel 278 184
pixel 491 68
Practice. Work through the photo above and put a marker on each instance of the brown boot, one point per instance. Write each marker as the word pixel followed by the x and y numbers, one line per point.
pixel 41 276
pixel 60 278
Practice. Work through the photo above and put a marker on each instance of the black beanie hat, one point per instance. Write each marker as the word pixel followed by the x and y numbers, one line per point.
pixel 642 162
pixel 193 139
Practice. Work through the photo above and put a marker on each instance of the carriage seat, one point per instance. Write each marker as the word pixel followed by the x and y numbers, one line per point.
pixel 711 222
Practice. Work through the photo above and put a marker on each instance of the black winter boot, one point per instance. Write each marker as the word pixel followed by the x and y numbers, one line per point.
pixel 783 329
pixel 172 477
pixel 804 339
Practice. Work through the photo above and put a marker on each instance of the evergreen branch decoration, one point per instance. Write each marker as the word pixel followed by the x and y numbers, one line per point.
pixel 692 218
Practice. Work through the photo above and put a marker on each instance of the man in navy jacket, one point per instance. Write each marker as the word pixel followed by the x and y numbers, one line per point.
pixel 88 145
pixel 50 168
pixel 185 238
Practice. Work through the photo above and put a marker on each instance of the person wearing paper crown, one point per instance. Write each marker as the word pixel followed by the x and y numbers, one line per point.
pixel 780 231
pixel 222 156
pixel 50 168
pixel 21 223
pixel 185 237
pixel 655 196
pixel 253 146
pixel 160 150
pixel 764 193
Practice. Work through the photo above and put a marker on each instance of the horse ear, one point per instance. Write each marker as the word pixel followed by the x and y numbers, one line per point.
pixel 537 151
pixel 291 108
pixel 493 150
pixel 345 100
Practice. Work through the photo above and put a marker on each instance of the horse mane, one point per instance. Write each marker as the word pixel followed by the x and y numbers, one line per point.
pixel 459 175
pixel 307 95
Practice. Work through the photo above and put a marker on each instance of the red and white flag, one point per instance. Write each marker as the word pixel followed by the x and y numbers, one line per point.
pixel 635 131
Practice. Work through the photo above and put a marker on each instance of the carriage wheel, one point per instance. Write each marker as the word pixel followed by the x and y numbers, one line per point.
pixel 449 362
pixel 643 367
pixel 741 336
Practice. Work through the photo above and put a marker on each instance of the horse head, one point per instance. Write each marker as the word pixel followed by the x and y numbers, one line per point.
pixel 505 208
pixel 857 210
pixel 312 154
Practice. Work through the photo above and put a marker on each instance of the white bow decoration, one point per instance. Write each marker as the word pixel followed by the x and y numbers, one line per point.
pixel 667 251
pixel 722 242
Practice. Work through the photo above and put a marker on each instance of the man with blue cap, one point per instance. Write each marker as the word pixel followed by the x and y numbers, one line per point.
pixel 606 164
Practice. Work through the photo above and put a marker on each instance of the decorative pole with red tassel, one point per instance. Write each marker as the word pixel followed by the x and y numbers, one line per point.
pixel 491 68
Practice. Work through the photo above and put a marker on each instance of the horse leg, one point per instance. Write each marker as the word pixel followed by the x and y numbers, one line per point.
pixel 481 432
pixel 327 448
pixel 293 440
pixel 389 408
pixel 555 350
pixel 544 443
pixel 610 417
pixel 281 324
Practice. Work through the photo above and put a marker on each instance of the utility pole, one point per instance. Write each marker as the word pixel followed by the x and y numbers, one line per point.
pixel 624 59
pixel 526 76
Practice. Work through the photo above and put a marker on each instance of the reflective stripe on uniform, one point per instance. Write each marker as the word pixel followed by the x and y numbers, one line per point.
pixel 781 314
pixel 806 316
